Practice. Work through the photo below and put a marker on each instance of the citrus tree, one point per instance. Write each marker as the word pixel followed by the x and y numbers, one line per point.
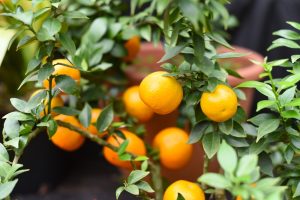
pixel 83 48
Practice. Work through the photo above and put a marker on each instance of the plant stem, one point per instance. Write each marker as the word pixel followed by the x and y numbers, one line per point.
pixel 205 168
pixel 156 179
pixel 50 93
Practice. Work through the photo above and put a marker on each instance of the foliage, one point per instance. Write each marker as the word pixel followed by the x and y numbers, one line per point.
pixel 91 35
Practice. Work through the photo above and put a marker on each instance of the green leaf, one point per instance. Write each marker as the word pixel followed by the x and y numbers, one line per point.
pixel 19 116
pixel 132 189
pixel 265 164
pixel 143 185
pixel 288 154
pixel 123 147
pixel 289 81
pixel 198 131
pixel 145 32
pixel 190 10
pixel 265 104
pixel 260 118
pixel 11 128
pixel 211 143
pixel 287 96
pixel 3 153
pixel 66 111
pixel 294 58
pixel 26 40
pixel 219 39
pixel 50 27
pixel 297 191
pixel 229 55
pixel 33 63
pixel 52 127
pixel 291 114
pixel 67 43
pixel 180 197
pixel 96 31
pixel 85 115
pixel 247 165
pixel 7 188
pixel 281 42
pixel 226 127
pixel 295 102
pixel 19 104
pixel 136 176
pixel 45 72
pixel 227 158
pixel 288 34
pixel 119 191
pixel 20 15
pixel 105 118
pixel 13 142
pixel 266 127
pixel 5 36
pixel 294 24
pixel 74 15
pixel 215 180
pixel 263 88
pixel 171 52
pixel 66 84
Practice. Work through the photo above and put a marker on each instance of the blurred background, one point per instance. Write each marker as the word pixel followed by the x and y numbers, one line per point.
pixel 85 174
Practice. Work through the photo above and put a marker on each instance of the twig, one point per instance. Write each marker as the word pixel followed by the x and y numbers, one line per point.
pixel 156 179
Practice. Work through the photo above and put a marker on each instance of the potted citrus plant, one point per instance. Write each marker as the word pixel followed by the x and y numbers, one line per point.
pixel 258 156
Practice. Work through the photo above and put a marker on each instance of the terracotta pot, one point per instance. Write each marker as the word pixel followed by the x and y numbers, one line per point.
pixel 146 63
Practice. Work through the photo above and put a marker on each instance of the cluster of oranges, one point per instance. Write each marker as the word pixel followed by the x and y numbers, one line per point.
pixel 158 93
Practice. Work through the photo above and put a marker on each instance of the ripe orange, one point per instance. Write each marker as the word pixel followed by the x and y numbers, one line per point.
pixel 136 146
pixel 189 190
pixel 63 70
pixel 55 102
pixel 135 106
pixel 65 138
pixel 161 93
pixel 173 148
pixel 219 105
pixel 133 47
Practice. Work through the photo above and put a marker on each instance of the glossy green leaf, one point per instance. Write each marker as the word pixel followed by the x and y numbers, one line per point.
pixel 136 176
pixel 105 118
pixel 211 143
pixel 266 127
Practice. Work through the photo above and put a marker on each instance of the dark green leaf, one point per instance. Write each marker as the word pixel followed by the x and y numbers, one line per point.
pixel 66 111
pixel 171 52
pixel 66 84
pixel 45 72
pixel 67 43
pixel 266 127
pixel 226 127
pixel 85 115
pixel 105 118
pixel 211 143
pixel 197 132
pixel 123 147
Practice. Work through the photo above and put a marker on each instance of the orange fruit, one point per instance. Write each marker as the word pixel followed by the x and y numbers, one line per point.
pixel 56 101
pixel 136 146
pixel 65 138
pixel 63 70
pixel 162 94
pixel 133 47
pixel 135 106
pixel 189 190
pixel 173 148
pixel 219 105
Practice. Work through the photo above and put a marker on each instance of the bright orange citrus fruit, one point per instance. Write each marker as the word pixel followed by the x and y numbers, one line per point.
pixel 161 93
pixel 135 106
pixel 173 148
pixel 219 105
pixel 133 47
pixel 189 190
pixel 136 146
pixel 63 70
pixel 65 138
